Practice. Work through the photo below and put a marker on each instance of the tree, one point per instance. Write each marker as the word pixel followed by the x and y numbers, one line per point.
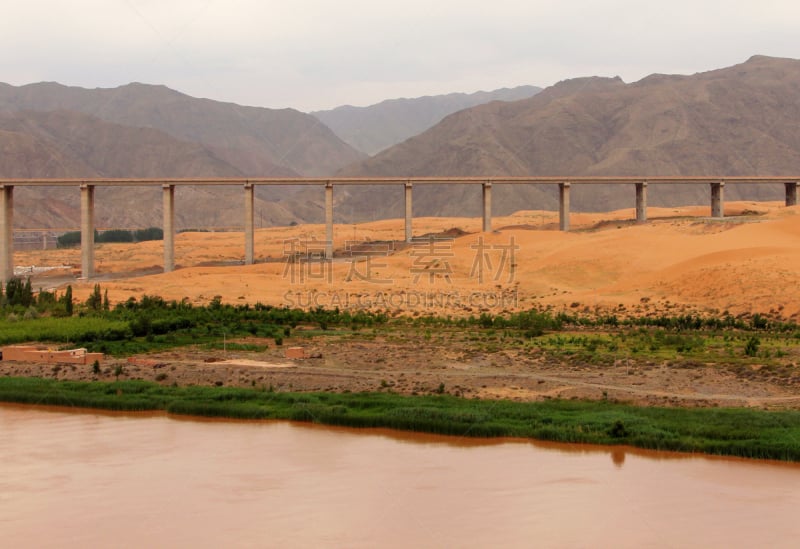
pixel 95 299
pixel 66 299
pixel 106 303
pixel 18 293
pixel 27 294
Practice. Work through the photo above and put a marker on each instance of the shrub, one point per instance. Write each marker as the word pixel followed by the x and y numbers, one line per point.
pixel 618 430
pixel 30 313
pixel 752 345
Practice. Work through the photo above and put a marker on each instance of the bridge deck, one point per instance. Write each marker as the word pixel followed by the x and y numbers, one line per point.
pixel 445 180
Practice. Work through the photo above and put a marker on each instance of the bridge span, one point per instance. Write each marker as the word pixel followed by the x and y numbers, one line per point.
pixel 716 186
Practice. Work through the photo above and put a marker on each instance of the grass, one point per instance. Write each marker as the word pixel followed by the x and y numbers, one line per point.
pixel 735 432
pixel 62 330
pixel 152 324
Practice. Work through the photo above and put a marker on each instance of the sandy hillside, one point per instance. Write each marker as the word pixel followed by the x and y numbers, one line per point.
pixel 679 260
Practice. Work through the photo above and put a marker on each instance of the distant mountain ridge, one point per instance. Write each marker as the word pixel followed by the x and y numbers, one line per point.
pixel 138 130
pixel 740 120
pixel 68 144
pixel 377 127
pixel 255 140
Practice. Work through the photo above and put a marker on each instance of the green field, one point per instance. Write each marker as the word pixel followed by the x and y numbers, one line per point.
pixel 734 432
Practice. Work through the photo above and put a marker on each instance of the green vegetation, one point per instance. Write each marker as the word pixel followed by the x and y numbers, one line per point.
pixel 137 326
pixel 76 330
pixel 73 238
pixel 752 345
pixel 150 323
pixel 736 432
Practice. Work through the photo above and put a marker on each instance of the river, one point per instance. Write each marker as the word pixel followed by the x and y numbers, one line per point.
pixel 105 480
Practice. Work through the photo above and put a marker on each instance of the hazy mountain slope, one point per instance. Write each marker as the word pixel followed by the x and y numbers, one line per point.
pixel 255 140
pixel 72 145
pixel 377 127
pixel 742 120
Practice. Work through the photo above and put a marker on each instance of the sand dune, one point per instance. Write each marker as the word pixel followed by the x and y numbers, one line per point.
pixel 680 260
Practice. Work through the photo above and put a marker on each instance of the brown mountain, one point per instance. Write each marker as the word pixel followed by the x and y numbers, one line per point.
pixel 73 145
pixel 742 120
pixel 257 141
pixel 377 127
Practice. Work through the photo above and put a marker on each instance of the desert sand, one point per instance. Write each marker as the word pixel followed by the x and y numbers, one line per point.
pixel 679 260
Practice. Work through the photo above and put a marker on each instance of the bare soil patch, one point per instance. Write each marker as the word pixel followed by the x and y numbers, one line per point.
pixel 414 364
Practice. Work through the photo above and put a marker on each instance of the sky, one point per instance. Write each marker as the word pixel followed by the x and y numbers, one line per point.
pixel 315 54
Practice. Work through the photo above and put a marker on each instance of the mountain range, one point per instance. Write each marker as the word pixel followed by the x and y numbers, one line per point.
pixel 740 120
pixel 378 127
pixel 256 141
pixel 138 130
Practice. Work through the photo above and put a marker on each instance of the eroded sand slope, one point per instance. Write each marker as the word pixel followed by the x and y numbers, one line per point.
pixel 680 259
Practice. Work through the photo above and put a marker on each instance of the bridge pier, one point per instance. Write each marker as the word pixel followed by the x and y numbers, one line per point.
pixel 641 202
pixel 168 192
pixel 717 199
pixel 791 193
pixel 563 206
pixel 409 210
pixel 6 233
pixel 87 231
pixel 329 220
pixel 249 224
pixel 487 207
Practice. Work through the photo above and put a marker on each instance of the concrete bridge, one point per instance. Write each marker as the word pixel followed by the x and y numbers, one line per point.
pixel 716 187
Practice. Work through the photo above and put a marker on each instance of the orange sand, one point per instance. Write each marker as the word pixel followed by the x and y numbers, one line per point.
pixel 680 259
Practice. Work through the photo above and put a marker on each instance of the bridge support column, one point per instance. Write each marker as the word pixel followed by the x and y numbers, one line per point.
pixel 641 202
pixel 487 207
pixel 87 231
pixel 329 220
pixel 717 199
pixel 791 193
pixel 409 213
pixel 168 194
pixel 6 233
pixel 563 206
pixel 249 224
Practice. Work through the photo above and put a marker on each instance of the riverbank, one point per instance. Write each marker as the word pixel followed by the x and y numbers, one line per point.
pixel 720 431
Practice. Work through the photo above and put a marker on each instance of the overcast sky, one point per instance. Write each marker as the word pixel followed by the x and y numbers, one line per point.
pixel 315 54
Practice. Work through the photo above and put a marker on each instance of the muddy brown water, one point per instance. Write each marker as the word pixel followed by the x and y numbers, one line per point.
pixel 102 480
